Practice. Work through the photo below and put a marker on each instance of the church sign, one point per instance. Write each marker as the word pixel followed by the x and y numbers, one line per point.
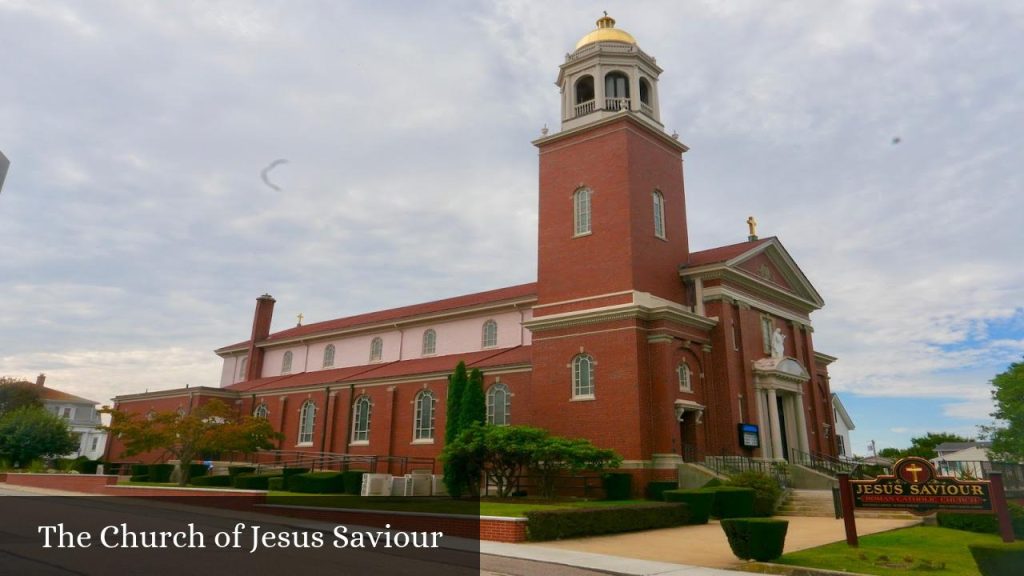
pixel 916 487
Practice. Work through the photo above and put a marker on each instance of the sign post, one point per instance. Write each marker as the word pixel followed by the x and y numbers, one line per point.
pixel 999 503
pixel 846 500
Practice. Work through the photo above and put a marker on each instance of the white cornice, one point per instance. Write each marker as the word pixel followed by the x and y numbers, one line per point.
pixel 644 307
pixel 725 292
pixel 177 392
pixel 540 142
pixel 824 358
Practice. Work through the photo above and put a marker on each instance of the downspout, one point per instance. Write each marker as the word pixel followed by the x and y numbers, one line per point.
pixel 327 412
pixel 351 403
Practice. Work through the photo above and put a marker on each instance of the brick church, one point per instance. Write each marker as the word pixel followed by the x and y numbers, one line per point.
pixel 626 338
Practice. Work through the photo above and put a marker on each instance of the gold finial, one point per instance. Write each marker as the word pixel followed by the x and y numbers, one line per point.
pixel 606 21
pixel 300 317
pixel 752 224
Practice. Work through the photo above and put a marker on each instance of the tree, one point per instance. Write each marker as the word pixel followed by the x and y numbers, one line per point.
pixel 457 382
pixel 30 432
pixel 509 450
pixel 556 455
pixel 210 427
pixel 473 406
pixel 894 453
pixel 16 393
pixel 1008 396
pixel 924 446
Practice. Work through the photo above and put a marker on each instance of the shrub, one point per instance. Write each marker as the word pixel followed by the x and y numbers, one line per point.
pixel 83 465
pixel 998 559
pixel 140 478
pixel 253 481
pixel 220 480
pixel 732 502
pixel 276 483
pixel 197 470
pixel 317 483
pixel 574 522
pixel 160 472
pixel 766 490
pixel 983 523
pixel 236 470
pixel 655 489
pixel 353 481
pixel 698 500
pixel 617 485
pixel 287 473
pixel 712 483
pixel 140 469
pixel 760 539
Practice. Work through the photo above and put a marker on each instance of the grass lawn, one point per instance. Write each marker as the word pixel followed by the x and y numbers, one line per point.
pixel 486 507
pixel 903 552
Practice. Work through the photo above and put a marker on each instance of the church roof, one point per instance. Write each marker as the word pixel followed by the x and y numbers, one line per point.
pixel 606 32
pixel 723 253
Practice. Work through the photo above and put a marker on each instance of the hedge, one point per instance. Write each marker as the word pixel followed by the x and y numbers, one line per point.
pixel 766 490
pixel 275 483
pixel 732 502
pixel 655 489
pixel 760 539
pixel 983 523
pixel 236 470
pixel 160 472
pixel 220 480
pixel 353 481
pixel 574 522
pixel 998 559
pixel 140 478
pixel 140 469
pixel 699 501
pixel 617 485
pixel 253 481
pixel 197 470
pixel 317 483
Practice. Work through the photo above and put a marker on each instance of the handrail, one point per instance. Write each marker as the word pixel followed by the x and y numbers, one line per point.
pixel 338 461
pixel 731 464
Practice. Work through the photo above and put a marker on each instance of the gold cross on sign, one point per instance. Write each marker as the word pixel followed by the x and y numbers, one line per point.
pixel 914 469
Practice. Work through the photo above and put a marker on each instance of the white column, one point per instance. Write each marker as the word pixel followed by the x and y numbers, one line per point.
pixel 773 417
pixel 801 423
pixel 762 425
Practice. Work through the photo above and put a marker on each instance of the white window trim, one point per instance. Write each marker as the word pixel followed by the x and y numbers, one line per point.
pixel 577 212
pixel 659 214
pixel 573 374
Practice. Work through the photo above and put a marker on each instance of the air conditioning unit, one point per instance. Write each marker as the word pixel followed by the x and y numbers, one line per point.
pixel 420 484
pixel 376 485
pixel 437 487
pixel 401 485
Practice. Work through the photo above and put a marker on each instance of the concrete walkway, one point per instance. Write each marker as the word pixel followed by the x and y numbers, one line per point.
pixel 683 547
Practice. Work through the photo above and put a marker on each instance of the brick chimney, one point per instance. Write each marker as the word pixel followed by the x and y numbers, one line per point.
pixel 41 380
pixel 260 330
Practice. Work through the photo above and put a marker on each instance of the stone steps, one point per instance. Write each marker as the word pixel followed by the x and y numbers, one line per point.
pixel 819 503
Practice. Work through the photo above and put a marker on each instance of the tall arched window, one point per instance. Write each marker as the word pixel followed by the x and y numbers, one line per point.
pixel 498 405
pixel 584 103
pixel 581 211
pixel 241 367
pixel 429 342
pixel 307 416
pixel 489 337
pixel 423 423
pixel 376 349
pixel 261 411
pixel 645 91
pixel 361 419
pixel 583 376
pixel 616 91
pixel 286 363
pixel 685 377
pixel 329 356
pixel 659 214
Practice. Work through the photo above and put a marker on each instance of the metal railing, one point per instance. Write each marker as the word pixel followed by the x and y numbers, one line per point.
pixel 328 461
pixel 730 465
pixel 1013 473
pixel 823 463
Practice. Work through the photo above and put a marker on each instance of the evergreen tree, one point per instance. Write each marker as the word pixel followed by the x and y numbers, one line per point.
pixel 454 480
pixel 474 405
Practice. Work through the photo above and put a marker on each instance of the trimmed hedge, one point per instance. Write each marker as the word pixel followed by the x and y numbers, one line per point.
pixel 760 539
pixel 766 490
pixel 573 522
pixel 253 481
pixel 617 485
pixel 275 483
pixel 140 478
pixel 983 523
pixel 197 470
pixel 998 559
pixel 353 481
pixel 160 472
pixel 288 473
pixel 236 470
pixel 732 502
pixel 220 480
pixel 317 483
pixel 655 490
pixel 699 501
pixel 140 469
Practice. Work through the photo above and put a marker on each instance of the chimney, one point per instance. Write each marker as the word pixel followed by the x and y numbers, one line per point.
pixel 41 380
pixel 260 330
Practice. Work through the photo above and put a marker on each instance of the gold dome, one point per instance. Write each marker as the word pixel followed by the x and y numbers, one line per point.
pixel 606 32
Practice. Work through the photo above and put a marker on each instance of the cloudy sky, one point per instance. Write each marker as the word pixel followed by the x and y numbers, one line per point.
pixel 879 140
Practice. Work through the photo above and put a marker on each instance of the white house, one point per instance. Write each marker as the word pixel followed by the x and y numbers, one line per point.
pixel 843 426
pixel 81 416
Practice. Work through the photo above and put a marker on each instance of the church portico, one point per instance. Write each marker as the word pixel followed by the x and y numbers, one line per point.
pixel 778 387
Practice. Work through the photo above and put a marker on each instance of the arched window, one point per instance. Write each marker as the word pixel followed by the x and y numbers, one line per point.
pixel 286 363
pixel 241 367
pixel 498 405
pixel 376 349
pixel 261 411
pixel 616 91
pixel 645 91
pixel 489 338
pixel 307 416
pixel 581 211
pixel 685 377
pixel 423 424
pixel 361 419
pixel 429 342
pixel 329 356
pixel 659 214
pixel 584 103
pixel 583 376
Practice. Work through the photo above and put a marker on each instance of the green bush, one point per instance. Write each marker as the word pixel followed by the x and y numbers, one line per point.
pixel 712 483
pixel 220 480
pixel 698 500
pixel 276 483
pixel 160 472
pixel 998 559
pixel 353 481
pixel 655 489
pixel 760 539
pixel 766 490
pixel 317 483
pixel 83 465
pixel 140 469
pixel 617 485
pixel 288 473
pixel 236 470
pixel 197 470
pixel 732 502
pixel 983 523
pixel 253 481
pixel 140 478
pixel 575 522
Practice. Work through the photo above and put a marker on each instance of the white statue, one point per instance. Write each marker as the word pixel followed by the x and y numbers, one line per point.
pixel 778 343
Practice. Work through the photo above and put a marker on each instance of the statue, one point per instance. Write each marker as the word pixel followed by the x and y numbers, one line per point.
pixel 778 343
